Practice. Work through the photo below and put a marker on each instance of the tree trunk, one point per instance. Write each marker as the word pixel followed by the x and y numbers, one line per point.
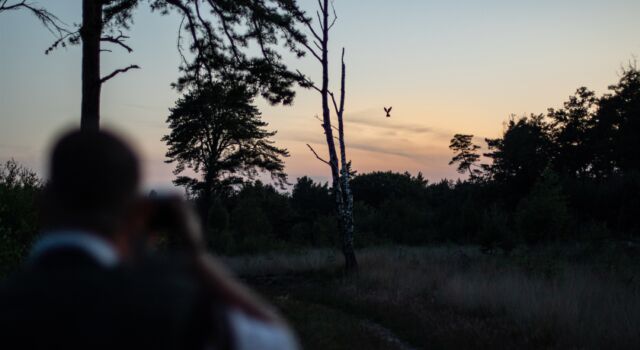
pixel 207 197
pixel 340 184
pixel 347 196
pixel 90 33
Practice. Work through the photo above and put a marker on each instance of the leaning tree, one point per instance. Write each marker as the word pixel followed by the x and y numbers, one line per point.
pixel 465 155
pixel 217 132
pixel 223 36
pixel 340 170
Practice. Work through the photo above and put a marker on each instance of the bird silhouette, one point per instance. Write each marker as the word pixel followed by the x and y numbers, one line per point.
pixel 388 111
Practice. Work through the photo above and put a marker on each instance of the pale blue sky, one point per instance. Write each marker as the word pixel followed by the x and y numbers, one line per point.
pixel 445 66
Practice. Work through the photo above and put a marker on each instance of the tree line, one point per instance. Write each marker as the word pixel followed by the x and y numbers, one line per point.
pixel 570 174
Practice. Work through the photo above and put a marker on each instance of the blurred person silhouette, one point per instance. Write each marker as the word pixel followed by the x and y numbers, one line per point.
pixel 92 281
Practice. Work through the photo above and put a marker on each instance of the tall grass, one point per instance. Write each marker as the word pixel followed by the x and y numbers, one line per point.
pixel 571 303
pixel 577 305
pixel 278 263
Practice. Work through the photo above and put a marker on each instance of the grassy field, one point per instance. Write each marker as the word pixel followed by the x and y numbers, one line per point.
pixel 456 297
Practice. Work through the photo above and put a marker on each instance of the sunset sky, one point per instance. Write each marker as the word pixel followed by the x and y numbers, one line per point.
pixel 446 67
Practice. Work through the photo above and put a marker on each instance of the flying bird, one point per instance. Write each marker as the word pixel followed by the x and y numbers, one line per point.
pixel 388 111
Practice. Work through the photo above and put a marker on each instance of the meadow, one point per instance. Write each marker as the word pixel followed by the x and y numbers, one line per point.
pixel 577 296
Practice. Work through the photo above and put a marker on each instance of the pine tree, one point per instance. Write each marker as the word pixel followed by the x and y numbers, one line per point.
pixel 222 34
pixel 217 132
pixel 465 155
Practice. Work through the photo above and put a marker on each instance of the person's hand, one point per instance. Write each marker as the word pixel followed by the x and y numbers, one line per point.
pixel 226 288
pixel 188 225
pixel 183 225
pixel 179 220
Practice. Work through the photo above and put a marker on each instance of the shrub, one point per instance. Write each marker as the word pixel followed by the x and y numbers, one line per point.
pixel 496 231
pixel 19 190
pixel 543 214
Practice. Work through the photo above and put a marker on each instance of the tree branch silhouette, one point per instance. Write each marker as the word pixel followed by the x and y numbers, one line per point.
pixel 317 156
pixel 118 71
pixel 48 19
pixel 118 40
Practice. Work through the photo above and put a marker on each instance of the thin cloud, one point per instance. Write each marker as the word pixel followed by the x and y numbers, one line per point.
pixel 417 156
pixel 372 147
pixel 387 125
pixel 401 147
pixel 316 140
pixel 383 150
pixel 373 119
pixel 300 136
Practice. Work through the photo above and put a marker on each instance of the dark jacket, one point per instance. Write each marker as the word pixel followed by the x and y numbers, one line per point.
pixel 66 300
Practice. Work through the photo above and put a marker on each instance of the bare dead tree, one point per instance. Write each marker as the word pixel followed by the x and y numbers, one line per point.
pixel 340 169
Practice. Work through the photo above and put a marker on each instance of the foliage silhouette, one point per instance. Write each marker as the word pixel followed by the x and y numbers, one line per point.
pixel 569 174
pixel 465 155
pixel 222 34
pixel 217 132
pixel 20 189
pixel 48 19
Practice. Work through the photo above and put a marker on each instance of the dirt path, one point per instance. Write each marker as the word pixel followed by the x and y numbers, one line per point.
pixel 387 335
pixel 323 326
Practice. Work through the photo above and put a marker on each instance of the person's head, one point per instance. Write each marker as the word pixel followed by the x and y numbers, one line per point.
pixel 93 183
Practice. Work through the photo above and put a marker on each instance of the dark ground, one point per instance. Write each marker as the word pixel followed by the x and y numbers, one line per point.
pixel 324 319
